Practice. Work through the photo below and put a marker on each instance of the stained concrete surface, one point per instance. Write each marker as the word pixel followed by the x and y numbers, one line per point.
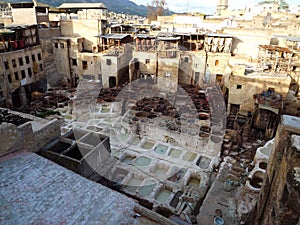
pixel 34 190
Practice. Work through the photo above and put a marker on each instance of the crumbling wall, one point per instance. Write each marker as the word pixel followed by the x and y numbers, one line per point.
pixel 145 66
pixel 31 135
pixel 10 138
pixel 47 133
pixel 82 28
pixel 280 195
pixel 217 63
pixel 242 88
pixel 168 73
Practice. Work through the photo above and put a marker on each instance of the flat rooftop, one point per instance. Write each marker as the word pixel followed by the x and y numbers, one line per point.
pixel 35 190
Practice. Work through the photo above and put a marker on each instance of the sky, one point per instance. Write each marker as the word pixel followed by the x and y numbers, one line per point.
pixel 205 6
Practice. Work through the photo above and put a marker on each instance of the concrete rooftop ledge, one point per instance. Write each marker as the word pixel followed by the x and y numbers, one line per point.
pixel 35 190
pixel 291 124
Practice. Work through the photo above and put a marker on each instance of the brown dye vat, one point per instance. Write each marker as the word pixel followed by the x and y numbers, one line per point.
pixel 206 129
pixel 257 180
pixel 203 135
pixel 147 108
pixel 142 114
pixel 151 116
pixel 203 116
pixel 263 165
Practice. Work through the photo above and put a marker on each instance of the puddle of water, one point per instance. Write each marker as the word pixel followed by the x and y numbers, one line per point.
pixel 161 149
pixel 142 161
pixel 148 145
pixel 189 156
pixel 133 184
pixel 194 182
pixel 146 190
pixel 163 195
pixel 175 153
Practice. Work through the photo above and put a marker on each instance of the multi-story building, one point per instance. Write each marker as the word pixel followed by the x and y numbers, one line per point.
pixel 22 65
pixel 107 63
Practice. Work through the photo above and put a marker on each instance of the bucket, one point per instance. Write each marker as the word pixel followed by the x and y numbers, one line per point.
pixel 218 221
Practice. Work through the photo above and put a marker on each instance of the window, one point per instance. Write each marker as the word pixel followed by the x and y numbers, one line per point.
pixel 9 78
pixel 23 74
pixel 84 65
pixel 108 62
pixel 21 62
pixel 239 86
pixel 27 59
pixel 168 74
pixel 29 72
pixel 16 76
pixel 217 62
pixel 39 56
pixel 41 67
pixel 33 58
pixel 74 62
pixel 13 62
pixel 147 61
pixel 62 45
pixel 6 65
pixel 186 59
pixel 56 45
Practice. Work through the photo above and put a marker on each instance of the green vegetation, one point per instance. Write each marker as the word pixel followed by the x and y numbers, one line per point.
pixel 47 113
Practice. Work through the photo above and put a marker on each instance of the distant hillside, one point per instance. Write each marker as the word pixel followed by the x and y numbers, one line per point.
pixel 118 6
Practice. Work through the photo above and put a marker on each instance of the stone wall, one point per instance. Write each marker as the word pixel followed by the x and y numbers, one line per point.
pixel 280 195
pixel 32 135
pixel 242 88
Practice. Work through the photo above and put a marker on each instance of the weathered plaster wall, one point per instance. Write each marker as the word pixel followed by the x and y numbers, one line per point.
pixel 82 28
pixel 149 67
pixel 280 195
pixel 24 16
pixel 249 85
pixel 168 73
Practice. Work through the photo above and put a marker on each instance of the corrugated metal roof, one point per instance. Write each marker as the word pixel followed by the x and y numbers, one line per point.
pixel 168 38
pixel 142 36
pixel 82 6
pixel 293 38
pixel 114 36
pixel 276 48
pixel 289 38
